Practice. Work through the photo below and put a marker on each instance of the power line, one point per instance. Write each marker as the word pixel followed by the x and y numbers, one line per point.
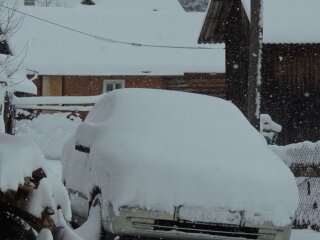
pixel 105 39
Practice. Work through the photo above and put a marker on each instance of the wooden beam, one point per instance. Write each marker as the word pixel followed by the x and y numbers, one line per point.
pixel 255 50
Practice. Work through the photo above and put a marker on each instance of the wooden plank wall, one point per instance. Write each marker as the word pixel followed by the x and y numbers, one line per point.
pixel 202 83
pixel 93 85
pixel 291 90
pixel 208 84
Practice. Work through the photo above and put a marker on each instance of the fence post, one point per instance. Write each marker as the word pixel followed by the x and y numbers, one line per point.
pixel 8 114
pixel 2 96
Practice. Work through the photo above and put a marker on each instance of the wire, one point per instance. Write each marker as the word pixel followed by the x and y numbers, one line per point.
pixel 105 39
pixel 307 179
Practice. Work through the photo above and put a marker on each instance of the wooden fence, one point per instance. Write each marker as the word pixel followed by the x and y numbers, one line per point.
pixel 48 121
pixel 16 108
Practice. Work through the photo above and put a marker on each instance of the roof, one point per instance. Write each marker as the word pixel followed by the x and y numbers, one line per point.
pixel 134 5
pixel 214 27
pixel 284 21
pixel 52 50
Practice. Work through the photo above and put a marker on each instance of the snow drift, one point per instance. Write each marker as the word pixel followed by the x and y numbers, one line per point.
pixel 157 149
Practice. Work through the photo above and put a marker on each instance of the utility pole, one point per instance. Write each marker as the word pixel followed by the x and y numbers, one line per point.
pixel 255 52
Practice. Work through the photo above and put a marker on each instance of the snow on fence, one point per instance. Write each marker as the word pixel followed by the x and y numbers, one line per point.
pixel 64 103
pixel 304 161
pixel 48 121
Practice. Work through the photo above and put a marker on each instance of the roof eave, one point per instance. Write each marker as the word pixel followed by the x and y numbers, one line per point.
pixel 213 29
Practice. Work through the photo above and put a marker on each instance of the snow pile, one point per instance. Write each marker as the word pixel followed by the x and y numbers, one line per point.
pixel 269 128
pixel 18 159
pixel 304 235
pixel 267 124
pixel 90 230
pixel 92 227
pixel 49 131
pixel 50 193
pixel 45 234
pixel 158 149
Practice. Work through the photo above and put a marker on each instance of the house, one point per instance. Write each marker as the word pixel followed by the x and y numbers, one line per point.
pixel 290 60
pixel 90 50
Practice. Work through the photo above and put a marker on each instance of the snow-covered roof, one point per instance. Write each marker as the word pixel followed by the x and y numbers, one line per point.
pixel 289 21
pixel 133 5
pixel 179 148
pixel 52 50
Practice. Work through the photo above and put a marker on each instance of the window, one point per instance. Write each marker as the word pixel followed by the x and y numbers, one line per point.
pixel 29 2
pixel 110 85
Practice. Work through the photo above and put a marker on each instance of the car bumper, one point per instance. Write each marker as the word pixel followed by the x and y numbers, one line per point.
pixel 170 235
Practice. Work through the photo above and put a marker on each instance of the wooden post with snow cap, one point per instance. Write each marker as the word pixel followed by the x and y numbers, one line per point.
pixel 8 114
pixel 255 52
pixel 2 100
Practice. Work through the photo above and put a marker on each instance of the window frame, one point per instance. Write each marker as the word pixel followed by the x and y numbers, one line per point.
pixel 114 82
pixel 29 2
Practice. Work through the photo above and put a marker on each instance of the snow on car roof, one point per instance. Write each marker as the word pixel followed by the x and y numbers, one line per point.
pixel 157 149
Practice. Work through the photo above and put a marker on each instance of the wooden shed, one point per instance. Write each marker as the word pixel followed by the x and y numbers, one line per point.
pixel 290 61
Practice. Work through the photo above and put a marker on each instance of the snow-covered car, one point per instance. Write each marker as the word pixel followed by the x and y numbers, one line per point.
pixel 172 165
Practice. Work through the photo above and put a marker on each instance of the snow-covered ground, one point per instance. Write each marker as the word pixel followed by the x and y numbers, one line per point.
pixel 304 235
